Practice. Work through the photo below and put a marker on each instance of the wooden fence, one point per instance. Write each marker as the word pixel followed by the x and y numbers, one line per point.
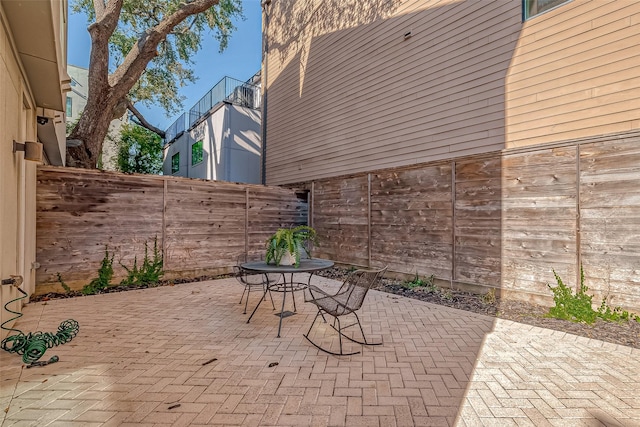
pixel 504 220
pixel 200 226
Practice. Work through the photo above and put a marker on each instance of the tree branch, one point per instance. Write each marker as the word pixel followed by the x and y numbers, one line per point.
pixel 125 76
pixel 98 6
pixel 100 31
pixel 142 121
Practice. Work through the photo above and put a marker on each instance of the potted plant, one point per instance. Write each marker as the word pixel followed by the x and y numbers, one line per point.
pixel 287 244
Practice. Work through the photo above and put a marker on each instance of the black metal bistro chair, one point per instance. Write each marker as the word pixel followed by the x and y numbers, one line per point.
pixel 251 281
pixel 347 300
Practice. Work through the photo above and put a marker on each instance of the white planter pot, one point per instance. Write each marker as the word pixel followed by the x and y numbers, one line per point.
pixel 288 259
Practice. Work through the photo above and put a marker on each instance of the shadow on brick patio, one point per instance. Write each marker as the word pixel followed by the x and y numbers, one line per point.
pixel 141 359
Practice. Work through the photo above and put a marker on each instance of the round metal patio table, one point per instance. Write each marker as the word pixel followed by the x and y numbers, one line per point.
pixel 306 266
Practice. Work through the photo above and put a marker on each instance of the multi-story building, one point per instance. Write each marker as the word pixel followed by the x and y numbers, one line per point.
pixel 219 139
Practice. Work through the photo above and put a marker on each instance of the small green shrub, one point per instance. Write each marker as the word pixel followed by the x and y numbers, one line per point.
pixel 579 308
pixel 149 272
pixel 617 314
pixel 417 282
pixel 66 287
pixel 489 297
pixel 105 274
pixel 446 294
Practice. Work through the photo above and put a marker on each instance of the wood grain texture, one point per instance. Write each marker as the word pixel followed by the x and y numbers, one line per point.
pixel 80 214
pixel 340 217
pixel 538 218
pixel 478 240
pixel 505 220
pixel 411 220
pixel 518 217
pixel 201 226
pixel 610 216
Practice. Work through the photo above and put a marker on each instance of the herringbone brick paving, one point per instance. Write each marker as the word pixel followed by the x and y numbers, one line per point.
pixel 139 360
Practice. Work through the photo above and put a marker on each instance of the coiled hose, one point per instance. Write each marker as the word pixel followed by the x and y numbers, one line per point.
pixel 33 345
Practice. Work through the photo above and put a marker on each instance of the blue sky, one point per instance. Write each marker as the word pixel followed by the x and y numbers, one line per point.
pixel 240 60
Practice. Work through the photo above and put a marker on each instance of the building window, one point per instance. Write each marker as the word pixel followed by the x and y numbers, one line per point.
pixel 197 153
pixel 532 8
pixel 69 106
pixel 175 163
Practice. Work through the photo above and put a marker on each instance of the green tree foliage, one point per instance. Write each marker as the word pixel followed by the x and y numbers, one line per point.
pixel 139 150
pixel 171 68
pixel 141 52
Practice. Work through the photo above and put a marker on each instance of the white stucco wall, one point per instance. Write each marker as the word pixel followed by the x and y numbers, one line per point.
pixel 230 137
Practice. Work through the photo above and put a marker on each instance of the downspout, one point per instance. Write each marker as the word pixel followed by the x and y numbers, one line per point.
pixel 265 63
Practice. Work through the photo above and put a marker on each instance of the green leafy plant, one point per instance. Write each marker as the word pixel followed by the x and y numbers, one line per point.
pixel 66 287
pixel 616 314
pixel 446 294
pixel 579 308
pixel 417 282
pixel 489 297
pixel 290 241
pixel 105 274
pixel 149 272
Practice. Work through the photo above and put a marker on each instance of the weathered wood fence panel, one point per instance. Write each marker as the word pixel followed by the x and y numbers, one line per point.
pixel 341 214
pixel 204 223
pixel 201 226
pixel 477 210
pixel 504 220
pixel 81 213
pixel 411 220
pixel 539 209
pixel 610 219
pixel 271 208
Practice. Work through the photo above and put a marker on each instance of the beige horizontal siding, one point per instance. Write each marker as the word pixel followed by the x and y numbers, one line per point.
pixel 347 94
pixel 360 98
pixel 574 74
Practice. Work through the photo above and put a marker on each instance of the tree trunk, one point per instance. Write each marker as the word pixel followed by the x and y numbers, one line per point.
pixel 91 130
pixel 106 90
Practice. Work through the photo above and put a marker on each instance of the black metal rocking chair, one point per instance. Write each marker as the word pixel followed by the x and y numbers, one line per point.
pixel 253 280
pixel 347 300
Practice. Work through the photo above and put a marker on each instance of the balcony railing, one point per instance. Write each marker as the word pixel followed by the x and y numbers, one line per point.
pixel 227 89
pixel 176 129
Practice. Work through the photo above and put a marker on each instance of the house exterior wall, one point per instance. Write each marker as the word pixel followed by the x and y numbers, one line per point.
pixel 574 74
pixel 451 138
pixel 78 93
pixel 22 101
pixel 230 137
pixel 348 92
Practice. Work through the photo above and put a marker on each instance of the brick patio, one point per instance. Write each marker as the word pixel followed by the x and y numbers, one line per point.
pixel 139 360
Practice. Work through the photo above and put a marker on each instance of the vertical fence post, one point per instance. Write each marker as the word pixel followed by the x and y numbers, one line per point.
pixel 369 219
pixel 578 225
pixel 310 206
pixel 164 224
pixel 246 220
pixel 453 222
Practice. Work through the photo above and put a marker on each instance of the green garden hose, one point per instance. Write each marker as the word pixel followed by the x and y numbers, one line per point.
pixel 33 345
